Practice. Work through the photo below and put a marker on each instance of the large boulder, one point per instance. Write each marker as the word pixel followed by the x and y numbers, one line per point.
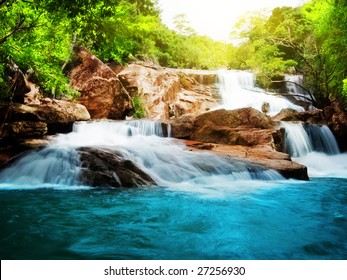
pixel 156 87
pixel 26 129
pixel 101 91
pixel 167 93
pixel 246 126
pixel 27 121
pixel 244 133
pixel 50 111
pixel 246 117
pixel 182 127
pixel 107 168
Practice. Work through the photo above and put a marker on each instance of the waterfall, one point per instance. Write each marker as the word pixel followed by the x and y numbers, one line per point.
pixel 52 165
pixel 302 139
pixel 164 159
pixel 322 139
pixel 238 90
pixel 315 147
pixel 294 86
pixel 296 141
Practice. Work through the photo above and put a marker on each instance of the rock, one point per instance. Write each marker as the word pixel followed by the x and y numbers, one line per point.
pixel 101 91
pixel 157 88
pixel 261 155
pixel 313 116
pixel 50 116
pixel 334 116
pixel 247 117
pixel 246 126
pixel 50 111
pixel 54 111
pixel 287 114
pixel 338 123
pixel 182 127
pixel 202 77
pixel 168 93
pixel 24 91
pixel 26 129
pixel 245 134
pixel 13 148
pixel 107 168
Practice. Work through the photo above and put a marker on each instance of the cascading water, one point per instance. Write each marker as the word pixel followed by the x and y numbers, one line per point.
pixel 163 159
pixel 238 90
pixel 205 204
pixel 52 165
pixel 302 139
pixel 294 87
pixel 315 147
pixel 297 142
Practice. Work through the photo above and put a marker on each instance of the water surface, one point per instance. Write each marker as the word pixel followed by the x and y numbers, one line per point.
pixel 245 220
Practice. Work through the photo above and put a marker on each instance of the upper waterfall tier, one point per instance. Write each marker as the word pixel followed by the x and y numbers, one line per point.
pixel 238 90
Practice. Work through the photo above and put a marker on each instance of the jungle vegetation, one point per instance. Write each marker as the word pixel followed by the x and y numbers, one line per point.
pixel 39 37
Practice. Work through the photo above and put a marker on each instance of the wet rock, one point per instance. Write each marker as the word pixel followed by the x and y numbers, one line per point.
pixel 107 168
pixel 182 128
pixel 261 155
pixel 12 149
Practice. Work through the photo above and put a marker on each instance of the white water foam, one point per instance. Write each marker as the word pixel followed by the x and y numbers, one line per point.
pixel 323 165
pixel 166 160
pixel 315 147
pixel 238 90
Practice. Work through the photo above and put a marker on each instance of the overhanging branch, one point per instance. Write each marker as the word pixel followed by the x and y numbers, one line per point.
pixel 14 30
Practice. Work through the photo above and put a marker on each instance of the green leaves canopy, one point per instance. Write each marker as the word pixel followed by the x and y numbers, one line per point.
pixel 39 36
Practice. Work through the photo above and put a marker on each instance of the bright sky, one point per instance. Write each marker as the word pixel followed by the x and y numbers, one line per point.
pixel 215 18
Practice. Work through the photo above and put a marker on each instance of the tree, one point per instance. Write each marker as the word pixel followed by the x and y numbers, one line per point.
pixel 259 52
pixel 309 40
pixel 37 41
pixel 182 25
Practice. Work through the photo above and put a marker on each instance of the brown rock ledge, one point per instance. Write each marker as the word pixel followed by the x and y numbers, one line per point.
pixel 262 155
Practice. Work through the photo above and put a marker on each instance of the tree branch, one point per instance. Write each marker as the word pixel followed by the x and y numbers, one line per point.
pixel 14 30
pixel 311 98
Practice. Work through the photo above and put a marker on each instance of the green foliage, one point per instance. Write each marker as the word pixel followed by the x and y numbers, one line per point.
pixel 258 51
pixel 41 45
pixel 140 111
pixel 4 93
pixel 38 37
pixel 309 40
